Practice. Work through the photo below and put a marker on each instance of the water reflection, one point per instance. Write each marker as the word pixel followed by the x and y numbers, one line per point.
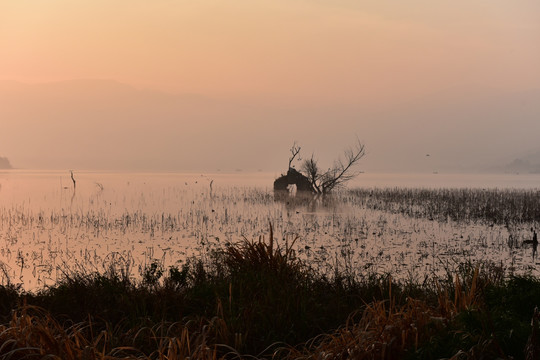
pixel 45 227
pixel 533 242
pixel 308 202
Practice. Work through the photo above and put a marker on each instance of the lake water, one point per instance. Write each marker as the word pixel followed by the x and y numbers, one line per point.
pixel 48 226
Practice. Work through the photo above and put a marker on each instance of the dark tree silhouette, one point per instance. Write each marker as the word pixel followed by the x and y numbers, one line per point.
pixel 312 179
pixel 341 172
pixel 295 150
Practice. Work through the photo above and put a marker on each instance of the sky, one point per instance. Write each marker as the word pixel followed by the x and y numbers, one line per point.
pixel 178 85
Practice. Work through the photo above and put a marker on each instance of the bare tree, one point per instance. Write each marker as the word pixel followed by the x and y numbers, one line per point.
pixel 311 170
pixel 311 178
pixel 295 149
pixel 341 172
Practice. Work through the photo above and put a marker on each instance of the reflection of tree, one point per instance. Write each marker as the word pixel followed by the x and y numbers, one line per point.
pixel 304 201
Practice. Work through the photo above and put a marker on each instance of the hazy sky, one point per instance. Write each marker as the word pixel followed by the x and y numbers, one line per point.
pixel 407 77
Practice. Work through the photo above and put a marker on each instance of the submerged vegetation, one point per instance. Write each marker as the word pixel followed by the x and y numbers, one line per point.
pixel 363 274
pixel 397 231
pixel 256 299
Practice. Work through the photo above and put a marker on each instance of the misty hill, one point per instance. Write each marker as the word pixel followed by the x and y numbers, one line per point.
pixel 4 163
pixel 104 124
pixel 527 163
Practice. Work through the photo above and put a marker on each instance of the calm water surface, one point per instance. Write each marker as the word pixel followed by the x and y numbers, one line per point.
pixel 48 226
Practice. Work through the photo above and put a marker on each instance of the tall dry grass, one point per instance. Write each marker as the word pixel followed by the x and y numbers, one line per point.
pixel 256 299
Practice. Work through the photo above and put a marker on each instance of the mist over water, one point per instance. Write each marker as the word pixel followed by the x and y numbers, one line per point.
pixel 37 187
pixel 176 118
pixel 106 125
pixel 171 179
pixel 47 225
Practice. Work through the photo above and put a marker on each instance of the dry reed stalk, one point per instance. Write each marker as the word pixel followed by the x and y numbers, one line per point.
pixel 383 332
pixel 32 333
pixel 464 299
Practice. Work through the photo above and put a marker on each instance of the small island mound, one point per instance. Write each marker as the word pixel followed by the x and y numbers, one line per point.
pixel 4 163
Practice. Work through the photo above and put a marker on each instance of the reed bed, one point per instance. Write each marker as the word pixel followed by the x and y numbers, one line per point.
pixel 257 299
pixel 183 271
pixel 401 231
pixel 491 206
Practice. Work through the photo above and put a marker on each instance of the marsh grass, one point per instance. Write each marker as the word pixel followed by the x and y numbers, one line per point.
pixel 256 299
pixel 319 289
pixel 387 230
pixel 491 206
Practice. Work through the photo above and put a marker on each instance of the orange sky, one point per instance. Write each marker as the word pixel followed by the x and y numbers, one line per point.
pixel 457 79
pixel 340 50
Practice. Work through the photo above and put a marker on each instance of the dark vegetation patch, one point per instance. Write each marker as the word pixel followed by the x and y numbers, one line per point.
pixel 257 299
pixel 490 206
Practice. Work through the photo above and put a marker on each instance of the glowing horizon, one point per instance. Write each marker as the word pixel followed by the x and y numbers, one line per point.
pixel 458 80
pixel 347 50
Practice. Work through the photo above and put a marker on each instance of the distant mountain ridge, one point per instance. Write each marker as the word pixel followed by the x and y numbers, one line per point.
pixel 104 124
pixel 4 163
pixel 527 163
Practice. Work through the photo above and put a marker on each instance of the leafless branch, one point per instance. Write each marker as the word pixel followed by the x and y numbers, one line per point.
pixel 322 182
pixel 343 169
pixel 312 172
pixel 341 172
pixel 295 149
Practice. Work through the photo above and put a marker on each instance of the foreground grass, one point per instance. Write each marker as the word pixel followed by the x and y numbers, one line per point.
pixel 255 299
